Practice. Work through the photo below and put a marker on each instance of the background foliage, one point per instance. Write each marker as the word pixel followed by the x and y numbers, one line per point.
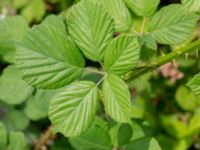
pixel 164 110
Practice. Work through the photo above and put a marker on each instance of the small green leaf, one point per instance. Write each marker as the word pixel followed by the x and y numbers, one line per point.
pixel 194 84
pixel 72 111
pixel 16 120
pixel 38 104
pixel 47 58
pixel 143 7
pixel 12 88
pixel 120 14
pixel 175 30
pixel 116 98
pixel 122 54
pixel 91 27
pixel 186 99
pixel 34 10
pixel 145 143
pixel 192 5
pixel 17 141
pixel 12 30
pixel 3 136
pixel 96 138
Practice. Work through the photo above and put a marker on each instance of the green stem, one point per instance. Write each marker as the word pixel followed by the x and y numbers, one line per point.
pixel 163 60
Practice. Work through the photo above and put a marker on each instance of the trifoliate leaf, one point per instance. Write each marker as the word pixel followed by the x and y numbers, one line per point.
pixel 13 89
pixel 143 7
pixel 91 27
pixel 116 98
pixel 49 59
pixel 122 54
pixel 72 111
pixel 167 27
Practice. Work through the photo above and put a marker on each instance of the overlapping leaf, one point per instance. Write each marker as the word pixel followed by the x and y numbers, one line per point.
pixel 116 98
pixel 13 89
pixel 37 105
pixel 120 14
pixel 72 111
pixel 91 27
pixel 194 84
pixel 48 58
pixel 144 143
pixel 143 7
pixel 12 30
pixel 192 5
pixel 168 27
pixel 96 138
pixel 122 54
pixel 17 141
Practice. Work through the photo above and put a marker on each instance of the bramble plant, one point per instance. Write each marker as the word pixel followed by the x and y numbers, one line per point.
pixel 115 42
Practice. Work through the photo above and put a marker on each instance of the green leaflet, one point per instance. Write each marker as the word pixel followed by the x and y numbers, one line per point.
pixel 145 143
pixel 192 5
pixel 57 22
pixel 194 84
pixel 72 111
pixel 91 27
pixel 122 54
pixel 12 30
pixel 17 141
pixel 34 10
pixel 167 27
pixel 116 98
pixel 120 134
pixel 186 99
pixel 16 120
pixel 13 89
pixel 143 7
pixel 96 138
pixel 48 58
pixel 120 14
pixel 3 136
pixel 38 104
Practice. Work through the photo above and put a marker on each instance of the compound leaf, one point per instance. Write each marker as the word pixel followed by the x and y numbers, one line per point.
pixel 72 111
pixel 91 27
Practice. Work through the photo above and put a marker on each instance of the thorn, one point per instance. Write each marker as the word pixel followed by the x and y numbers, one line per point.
pixel 186 56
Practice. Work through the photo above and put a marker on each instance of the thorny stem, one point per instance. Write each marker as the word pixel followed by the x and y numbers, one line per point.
pixel 191 47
